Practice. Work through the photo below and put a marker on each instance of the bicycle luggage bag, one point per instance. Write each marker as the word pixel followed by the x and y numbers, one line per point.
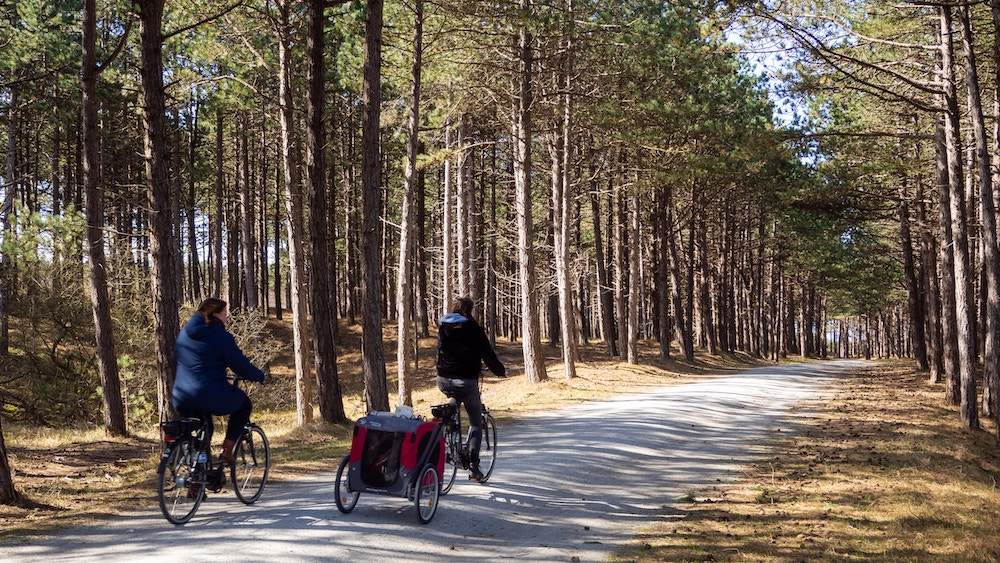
pixel 387 450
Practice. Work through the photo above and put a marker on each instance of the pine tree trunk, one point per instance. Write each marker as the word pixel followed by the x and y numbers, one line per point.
pixel 534 361
pixel 957 387
pixel 603 285
pixel 914 306
pixel 296 224
pixel 681 327
pixel 447 226
pixel 163 246
pixel 194 263
pixel 247 220
pixel 635 285
pixel 562 200
pixel 107 360
pixel 324 316
pixel 8 494
pixel 404 286
pixel 372 352
pixel 991 266
pixel 621 271
pixel 215 288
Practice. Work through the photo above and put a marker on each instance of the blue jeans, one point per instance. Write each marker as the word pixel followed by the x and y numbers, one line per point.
pixel 466 391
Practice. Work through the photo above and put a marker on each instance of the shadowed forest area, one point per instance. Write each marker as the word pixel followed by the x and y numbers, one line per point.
pixel 641 182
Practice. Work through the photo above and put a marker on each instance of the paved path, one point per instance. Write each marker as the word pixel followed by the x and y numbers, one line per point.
pixel 578 482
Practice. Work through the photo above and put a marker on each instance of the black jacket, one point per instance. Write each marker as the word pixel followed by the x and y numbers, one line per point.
pixel 463 347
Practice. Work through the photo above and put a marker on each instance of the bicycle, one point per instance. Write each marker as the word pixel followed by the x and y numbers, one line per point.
pixel 187 469
pixel 457 452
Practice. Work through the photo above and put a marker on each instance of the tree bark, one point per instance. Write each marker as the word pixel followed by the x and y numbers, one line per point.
pixel 991 351
pixel 959 387
pixel 562 199
pixel 634 286
pixel 603 286
pixel 534 361
pixel 914 306
pixel 107 360
pixel 404 285
pixel 296 222
pixel 247 219
pixel 324 316
pixel 163 246
pixel 372 353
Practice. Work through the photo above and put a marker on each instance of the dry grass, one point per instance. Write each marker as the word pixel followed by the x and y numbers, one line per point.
pixel 879 471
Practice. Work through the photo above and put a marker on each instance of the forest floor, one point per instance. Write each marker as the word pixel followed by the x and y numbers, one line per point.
pixel 886 472
pixel 883 472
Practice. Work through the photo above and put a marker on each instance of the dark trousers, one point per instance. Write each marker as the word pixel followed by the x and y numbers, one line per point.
pixel 466 391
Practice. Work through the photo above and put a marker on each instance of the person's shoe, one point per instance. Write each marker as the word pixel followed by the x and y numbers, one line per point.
pixel 475 473
pixel 226 453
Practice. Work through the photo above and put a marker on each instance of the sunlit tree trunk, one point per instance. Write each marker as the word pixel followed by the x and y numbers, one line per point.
pixel 324 316
pixel 957 388
pixel 603 285
pixel 163 246
pixel 404 280
pixel 296 223
pixel 991 293
pixel 372 352
pixel 107 360
pixel 534 361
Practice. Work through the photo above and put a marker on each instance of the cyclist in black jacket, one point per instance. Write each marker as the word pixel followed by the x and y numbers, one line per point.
pixel 462 349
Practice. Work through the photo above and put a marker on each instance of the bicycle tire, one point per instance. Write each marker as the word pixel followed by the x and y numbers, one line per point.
pixel 488 451
pixel 451 461
pixel 346 498
pixel 253 464
pixel 176 477
pixel 428 492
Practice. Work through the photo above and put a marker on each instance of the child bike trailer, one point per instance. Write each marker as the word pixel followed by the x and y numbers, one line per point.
pixel 397 455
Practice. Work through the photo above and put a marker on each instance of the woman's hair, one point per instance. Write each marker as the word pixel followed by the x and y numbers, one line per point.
pixel 463 306
pixel 210 307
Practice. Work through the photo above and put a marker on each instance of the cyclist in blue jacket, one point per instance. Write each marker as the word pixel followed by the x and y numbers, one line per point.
pixel 462 349
pixel 203 351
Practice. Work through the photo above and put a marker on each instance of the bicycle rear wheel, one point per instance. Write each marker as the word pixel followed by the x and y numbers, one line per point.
pixel 451 461
pixel 253 462
pixel 488 451
pixel 178 493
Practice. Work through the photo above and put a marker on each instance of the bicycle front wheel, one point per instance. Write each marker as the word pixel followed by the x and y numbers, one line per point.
pixel 253 462
pixel 178 493
pixel 488 451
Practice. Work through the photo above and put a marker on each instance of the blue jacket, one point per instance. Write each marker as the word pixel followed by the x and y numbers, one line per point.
pixel 202 354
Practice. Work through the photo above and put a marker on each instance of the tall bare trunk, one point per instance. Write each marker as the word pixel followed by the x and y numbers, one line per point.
pixel 296 222
pixel 991 352
pixel 603 285
pixel 220 212
pixel 163 246
pixel 447 226
pixel 634 285
pixel 404 284
pixel 372 353
pixel 107 360
pixel 324 316
pixel 247 220
pixel 958 387
pixel 464 225
pixel 534 361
